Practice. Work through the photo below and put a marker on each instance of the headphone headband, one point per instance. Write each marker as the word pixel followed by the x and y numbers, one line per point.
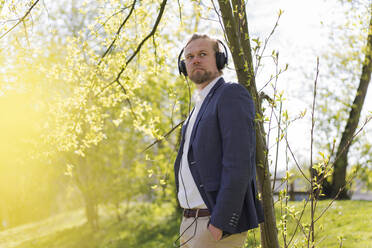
pixel 221 60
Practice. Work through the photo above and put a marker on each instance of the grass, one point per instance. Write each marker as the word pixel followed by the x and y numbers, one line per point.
pixel 153 226
pixel 349 222
pixel 146 226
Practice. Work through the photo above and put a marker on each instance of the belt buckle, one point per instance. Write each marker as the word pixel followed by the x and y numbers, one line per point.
pixel 187 212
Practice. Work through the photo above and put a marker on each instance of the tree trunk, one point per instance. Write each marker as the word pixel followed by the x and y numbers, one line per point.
pixel 236 30
pixel 81 179
pixel 339 173
pixel 117 211
pixel 91 211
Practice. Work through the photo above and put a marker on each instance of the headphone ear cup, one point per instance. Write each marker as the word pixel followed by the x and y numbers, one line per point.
pixel 182 68
pixel 220 60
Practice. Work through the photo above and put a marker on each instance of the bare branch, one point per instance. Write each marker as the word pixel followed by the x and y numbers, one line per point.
pixel 312 196
pixel 272 77
pixel 179 10
pixel 258 63
pixel 331 202
pixel 162 7
pixel 118 32
pixel 109 18
pixel 349 181
pixel 277 145
pixel 299 223
pixel 219 19
pixel 152 33
pixel 294 158
pixel 128 101
pixel 20 20
pixel 164 136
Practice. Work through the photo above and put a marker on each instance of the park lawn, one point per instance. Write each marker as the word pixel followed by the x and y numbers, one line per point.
pixel 350 221
pixel 346 221
pixel 148 225
pixel 153 226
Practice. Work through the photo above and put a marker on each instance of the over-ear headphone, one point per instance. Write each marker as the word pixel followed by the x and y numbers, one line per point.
pixel 221 60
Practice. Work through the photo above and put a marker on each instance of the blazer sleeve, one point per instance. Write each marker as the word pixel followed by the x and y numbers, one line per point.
pixel 236 120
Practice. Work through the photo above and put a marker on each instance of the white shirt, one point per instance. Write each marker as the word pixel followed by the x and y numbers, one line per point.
pixel 188 193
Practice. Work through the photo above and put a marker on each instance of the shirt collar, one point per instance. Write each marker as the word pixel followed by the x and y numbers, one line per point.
pixel 199 95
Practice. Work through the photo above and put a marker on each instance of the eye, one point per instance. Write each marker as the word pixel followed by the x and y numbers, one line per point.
pixel 188 57
pixel 203 54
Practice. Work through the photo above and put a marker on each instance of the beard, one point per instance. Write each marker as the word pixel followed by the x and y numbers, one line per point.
pixel 202 76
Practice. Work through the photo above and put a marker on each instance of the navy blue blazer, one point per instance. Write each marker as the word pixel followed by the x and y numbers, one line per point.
pixel 222 158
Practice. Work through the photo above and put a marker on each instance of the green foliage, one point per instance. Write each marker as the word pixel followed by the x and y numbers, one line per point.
pixel 152 225
pixel 89 117
pixel 86 117
pixel 145 225
pixel 28 173
pixel 342 73
pixel 341 221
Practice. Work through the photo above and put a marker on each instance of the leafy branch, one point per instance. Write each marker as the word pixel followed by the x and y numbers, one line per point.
pixel 164 136
pixel 21 19
pixel 118 32
pixel 152 33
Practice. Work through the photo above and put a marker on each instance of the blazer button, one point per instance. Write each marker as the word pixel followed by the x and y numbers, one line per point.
pixel 192 162
pixel 201 185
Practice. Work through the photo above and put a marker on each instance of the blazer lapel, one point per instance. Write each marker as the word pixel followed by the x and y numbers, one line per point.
pixel 204 107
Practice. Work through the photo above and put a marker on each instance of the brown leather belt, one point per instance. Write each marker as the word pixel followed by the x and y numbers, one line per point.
pixel 188 213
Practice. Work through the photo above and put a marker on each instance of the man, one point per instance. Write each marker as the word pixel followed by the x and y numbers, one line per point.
pixel 215 166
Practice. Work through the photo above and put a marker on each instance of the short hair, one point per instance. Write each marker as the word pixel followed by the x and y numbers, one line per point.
pixel 204 36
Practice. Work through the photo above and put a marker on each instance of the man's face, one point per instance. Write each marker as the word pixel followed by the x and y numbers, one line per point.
pixel 200 60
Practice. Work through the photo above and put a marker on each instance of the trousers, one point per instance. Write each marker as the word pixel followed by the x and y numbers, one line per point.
pixel 197 235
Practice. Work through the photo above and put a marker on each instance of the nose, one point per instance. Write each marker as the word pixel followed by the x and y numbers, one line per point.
pixel 195 60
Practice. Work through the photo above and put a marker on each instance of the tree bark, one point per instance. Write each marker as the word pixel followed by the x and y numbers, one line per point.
pixel 340 166
pixel 236 30
pixel 84 182
pixel 91 210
